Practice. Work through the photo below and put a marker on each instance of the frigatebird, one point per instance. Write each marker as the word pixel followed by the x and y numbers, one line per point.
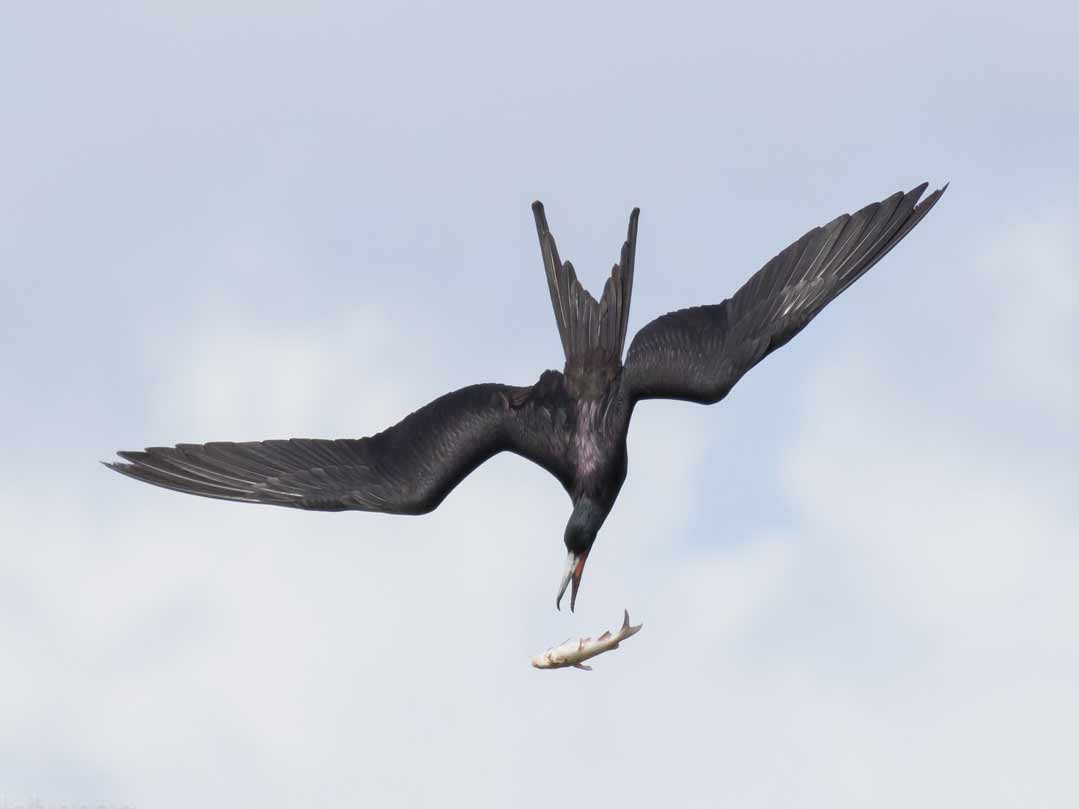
pixel 572 423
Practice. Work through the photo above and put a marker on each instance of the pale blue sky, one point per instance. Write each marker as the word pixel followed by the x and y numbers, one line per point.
pixel 254 220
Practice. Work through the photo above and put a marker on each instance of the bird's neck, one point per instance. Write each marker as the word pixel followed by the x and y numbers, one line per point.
pixel 587 518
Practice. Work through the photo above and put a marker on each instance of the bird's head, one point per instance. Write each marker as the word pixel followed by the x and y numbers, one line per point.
pixel 584 523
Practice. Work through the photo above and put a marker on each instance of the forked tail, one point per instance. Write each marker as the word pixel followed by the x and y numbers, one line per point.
pixel 593 332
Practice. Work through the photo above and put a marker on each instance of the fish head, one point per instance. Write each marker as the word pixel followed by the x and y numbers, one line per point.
pixel 549 660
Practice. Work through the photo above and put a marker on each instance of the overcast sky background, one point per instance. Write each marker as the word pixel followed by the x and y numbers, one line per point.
pixel 234 221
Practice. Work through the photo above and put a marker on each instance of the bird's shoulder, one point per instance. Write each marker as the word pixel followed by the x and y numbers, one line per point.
pixel 550 390
pixel 548 401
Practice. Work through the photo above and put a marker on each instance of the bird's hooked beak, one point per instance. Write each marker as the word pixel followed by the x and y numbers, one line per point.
pixel 574 569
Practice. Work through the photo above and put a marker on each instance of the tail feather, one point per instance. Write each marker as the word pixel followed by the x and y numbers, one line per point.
pixel 586 326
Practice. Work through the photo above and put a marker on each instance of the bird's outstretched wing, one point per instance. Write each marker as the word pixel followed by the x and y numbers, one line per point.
pixel 406 469
pixel 698 354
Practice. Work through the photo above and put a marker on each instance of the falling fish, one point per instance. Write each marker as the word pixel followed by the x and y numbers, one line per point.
pixel 575 652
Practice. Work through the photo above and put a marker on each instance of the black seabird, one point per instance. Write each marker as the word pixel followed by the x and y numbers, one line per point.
pixel 572 423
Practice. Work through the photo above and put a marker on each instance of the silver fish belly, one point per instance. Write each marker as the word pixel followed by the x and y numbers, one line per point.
pixel 575 652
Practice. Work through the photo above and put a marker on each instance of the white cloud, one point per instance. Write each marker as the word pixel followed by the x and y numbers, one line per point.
pixel 950 531
pixel 246 382
pixel 358 657
pixel 1035 325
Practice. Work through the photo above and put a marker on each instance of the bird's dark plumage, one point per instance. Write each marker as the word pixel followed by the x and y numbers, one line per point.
pixel 698 354
pixel 593 332
pixel 573 424
pixel 406 469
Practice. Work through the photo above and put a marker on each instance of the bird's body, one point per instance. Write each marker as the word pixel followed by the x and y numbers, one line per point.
pixel 573 423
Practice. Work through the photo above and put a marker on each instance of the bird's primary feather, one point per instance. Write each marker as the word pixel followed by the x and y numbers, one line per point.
pixel 698 354
pixel 406 469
